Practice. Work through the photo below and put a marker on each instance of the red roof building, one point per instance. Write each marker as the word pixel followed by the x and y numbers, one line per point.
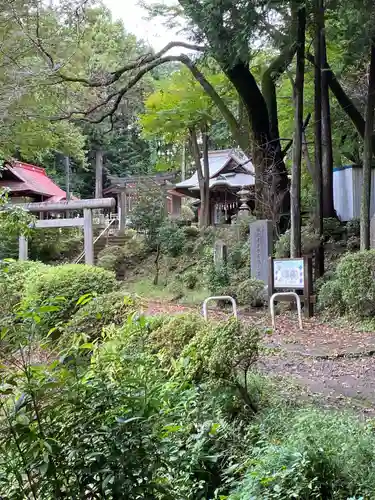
pixel 27 182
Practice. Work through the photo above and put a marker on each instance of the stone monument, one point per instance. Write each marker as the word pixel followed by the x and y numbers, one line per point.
pixel 220 253
pixel 261 248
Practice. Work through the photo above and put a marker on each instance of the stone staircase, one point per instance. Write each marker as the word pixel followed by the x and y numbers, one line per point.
pixel 115 239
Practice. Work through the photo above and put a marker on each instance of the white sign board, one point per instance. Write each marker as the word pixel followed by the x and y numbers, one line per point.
pixel 288 273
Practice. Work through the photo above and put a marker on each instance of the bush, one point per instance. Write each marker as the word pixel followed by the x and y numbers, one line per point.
pixel 330 297
pixel 310 241
pixel 239 256
pixel 174 333
pixel 243 224
pixel 250 292
pixel 187 213
pixel 353 228
pixel 217 278
pixel 332 229
pixel 13 277
pixel 312 455
pixel 190 279
pixel 172 239
pixel 107 309
pixel 55 245
pixel 353 243
pixel 62 286
pixel 176 289
pixel 223 352
pixel 148 213
pixel 112 258
pixel 191 231
pixel 355 276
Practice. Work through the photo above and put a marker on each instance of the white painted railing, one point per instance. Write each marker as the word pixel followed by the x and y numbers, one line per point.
pixel 81 255
pixel 221 297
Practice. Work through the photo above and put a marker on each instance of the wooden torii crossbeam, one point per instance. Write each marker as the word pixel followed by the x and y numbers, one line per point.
pixel 63 206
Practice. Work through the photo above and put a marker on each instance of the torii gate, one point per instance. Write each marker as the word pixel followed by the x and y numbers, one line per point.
pixel 64 206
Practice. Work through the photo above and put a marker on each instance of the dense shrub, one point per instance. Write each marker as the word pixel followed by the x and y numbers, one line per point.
pixel 355 275
pixel 330 297
pixel 223 351
pixel 174 333
pixel 103 310
pixel 243 224
pixel 353 228
pixel 311 455
pixel 250 292
pixel 190 279
pixel 112 258
pixel 186 214
pixel 191 231
pixel 172 239
pixel 13 277
pixel 309 237
pixel 332 228
pixel 353 243
pixel 55 245
pixel 63 286
pixel 239 256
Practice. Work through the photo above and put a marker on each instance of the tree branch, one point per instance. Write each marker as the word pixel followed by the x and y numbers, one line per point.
pixel 141 61
pixel 342 98
pixel 198 75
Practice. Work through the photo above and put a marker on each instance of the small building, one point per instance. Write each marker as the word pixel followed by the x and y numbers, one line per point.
pixel 230 171
pixel 29 183
pixel 347 192
pixel 125 189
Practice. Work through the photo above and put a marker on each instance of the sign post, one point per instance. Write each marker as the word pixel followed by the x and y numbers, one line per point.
pixel 292 274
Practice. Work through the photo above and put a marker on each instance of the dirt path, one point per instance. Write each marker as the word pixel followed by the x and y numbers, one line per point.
pixel 335 366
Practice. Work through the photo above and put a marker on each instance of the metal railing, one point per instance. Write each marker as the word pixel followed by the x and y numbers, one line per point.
pixel 82 254
pixel 220 297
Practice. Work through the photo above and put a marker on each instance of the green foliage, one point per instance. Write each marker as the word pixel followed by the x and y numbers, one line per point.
pixel 243 224
pixel 172 239
pixel 310 241
pixel 332 228
pixel 355 276
pixel 311 455
pixel 218 280
pixel 353 228
pixel 250 292
pixel 330 297
pixel 187 213
pixel 149 212
pixel 111 258
pixel 190 279
pixel 180 103
pixel 55 245
pixel 353 243
pixel 351 289
pixel 174 333
pixel 191 231
pixel 61 287
pixel 13 278
pixel 100 311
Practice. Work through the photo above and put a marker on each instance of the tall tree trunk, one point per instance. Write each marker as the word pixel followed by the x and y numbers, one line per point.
pixel 203 218
pixel 272 185
pixel 67 177
pixel 295 235
pixel 327 152
pixel 319 254
pixel 367 155
pixel 98 173
pixel 206 177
